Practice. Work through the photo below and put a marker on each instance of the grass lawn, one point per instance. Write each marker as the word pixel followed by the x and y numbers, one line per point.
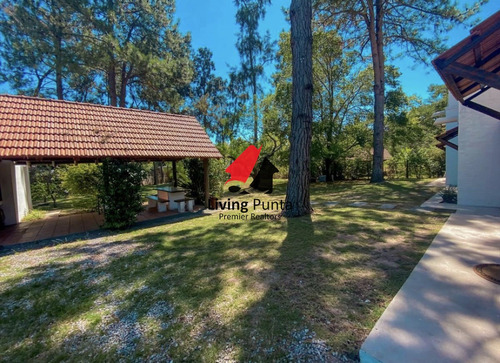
pixel 206 289
pixel 73 204
pixel 69 205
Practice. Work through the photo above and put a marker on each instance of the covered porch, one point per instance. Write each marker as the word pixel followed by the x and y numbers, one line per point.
pixel 43 131
pixel 59 225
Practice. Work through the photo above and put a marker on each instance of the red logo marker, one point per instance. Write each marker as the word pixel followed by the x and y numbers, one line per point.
pixel 241 168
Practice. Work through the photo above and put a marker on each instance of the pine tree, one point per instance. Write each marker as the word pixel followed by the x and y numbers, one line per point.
pixel 297 192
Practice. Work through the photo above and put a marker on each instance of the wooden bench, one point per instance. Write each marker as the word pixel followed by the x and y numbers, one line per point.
pixel 182 204
pixel 159 203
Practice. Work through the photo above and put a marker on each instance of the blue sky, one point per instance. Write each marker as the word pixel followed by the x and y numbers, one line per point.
pixel 212 25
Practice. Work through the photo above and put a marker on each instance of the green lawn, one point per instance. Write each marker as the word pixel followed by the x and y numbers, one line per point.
pixel 72 204
pixel 207 289
pixel 69 205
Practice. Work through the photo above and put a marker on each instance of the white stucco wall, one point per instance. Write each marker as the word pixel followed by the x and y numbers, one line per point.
pixel 452 154
pixel 9 200
pixel 452 159
pixel 23 191
pixel 479 154
pixel 16 192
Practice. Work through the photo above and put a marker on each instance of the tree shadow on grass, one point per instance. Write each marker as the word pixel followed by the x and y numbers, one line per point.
pixel 210 290
pixel 321 292
pixel 129 279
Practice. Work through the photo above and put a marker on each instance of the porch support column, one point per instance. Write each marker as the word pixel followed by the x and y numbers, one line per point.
pixel 174 172
pixel 206 184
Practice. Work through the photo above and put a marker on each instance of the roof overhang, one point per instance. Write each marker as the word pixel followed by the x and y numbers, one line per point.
pixel 39 130
pixel 32 160
pixel 472 66
pixel 444 139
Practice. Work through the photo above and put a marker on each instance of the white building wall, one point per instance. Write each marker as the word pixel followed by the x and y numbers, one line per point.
pixel 16 191
pixel 452 154
pixel 479 154
pixel 9 200
pixel 23 191
pixel 452 159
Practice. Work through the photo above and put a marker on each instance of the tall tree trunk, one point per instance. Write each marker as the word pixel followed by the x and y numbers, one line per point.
pixel 123 86
pixel 254 101
pixel 59 66
pixel 205 122
pixel 155 175
pixel 255 120
pixel 329 141
pixel 297 193
pixel 112 82
pixel 328 169
pixel 376 42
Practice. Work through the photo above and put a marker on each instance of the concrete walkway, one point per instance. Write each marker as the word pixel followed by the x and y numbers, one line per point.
pixel 445 312
pixel 439 182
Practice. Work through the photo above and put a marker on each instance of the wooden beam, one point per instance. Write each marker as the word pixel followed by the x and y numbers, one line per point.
pixel 443 63
pixel 450 144
pixel 441 146
pixel 206 184
pixel 449 134
pixel 475 74
pixel 444 138
pixel 174 172
pixel 477 52
pixel 452 86
pixel 486 110
pixel 478 93
pixel 481 63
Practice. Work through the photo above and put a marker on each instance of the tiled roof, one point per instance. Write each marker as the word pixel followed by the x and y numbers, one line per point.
pixel 46 129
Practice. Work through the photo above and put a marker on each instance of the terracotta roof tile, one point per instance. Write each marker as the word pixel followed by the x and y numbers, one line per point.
pixel 38 128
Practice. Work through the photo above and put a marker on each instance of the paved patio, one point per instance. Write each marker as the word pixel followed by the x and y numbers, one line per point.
pixel 445 312
pixel 57 224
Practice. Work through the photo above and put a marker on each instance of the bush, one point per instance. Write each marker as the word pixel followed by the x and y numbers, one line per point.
pixel 356 168
pixel 120 192
pixel 195 179
pixel 449 195
pixel 83 180
pixel 217 176
pixel 46 183
pixel 194 182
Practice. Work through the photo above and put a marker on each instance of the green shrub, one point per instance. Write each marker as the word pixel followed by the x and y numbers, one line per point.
pixel 195 179
pixel 217 176
pixel 120 192
pixel 46 183
pixel 83 179
pixel 449 195
pixel 194 182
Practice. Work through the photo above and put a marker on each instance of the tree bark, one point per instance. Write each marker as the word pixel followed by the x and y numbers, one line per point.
pixel 255 119
pixel 123 86
pixel 297 194
pixel 254 102
pixel 59 66
pixel 328 169
pixel 376 42
pixel 112 83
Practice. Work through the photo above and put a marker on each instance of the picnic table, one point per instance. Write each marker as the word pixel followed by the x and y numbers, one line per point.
pixel 172 194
